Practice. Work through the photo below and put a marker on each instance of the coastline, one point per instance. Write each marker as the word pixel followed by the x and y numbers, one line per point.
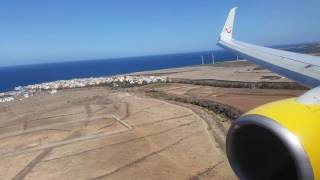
pixel 240 74
pixel 136 125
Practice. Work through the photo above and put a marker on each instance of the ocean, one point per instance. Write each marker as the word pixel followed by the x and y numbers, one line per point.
pixel 13 76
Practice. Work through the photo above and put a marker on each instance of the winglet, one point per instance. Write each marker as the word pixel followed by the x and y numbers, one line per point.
pixel 227 30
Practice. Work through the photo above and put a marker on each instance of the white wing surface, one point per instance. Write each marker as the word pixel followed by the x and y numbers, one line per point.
pixel 302 68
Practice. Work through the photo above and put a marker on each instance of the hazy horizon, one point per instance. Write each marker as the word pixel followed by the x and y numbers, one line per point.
pixel 142 56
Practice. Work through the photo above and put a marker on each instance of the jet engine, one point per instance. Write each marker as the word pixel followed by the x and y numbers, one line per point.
pixel 279 140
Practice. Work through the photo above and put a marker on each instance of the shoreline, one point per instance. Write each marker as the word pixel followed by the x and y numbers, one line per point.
pixel 183 75
pixel 23 92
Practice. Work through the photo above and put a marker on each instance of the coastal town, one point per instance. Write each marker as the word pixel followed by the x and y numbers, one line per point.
pixel 22 92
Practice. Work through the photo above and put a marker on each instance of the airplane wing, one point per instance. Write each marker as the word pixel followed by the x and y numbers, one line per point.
pixel 292 123
pixel 302 68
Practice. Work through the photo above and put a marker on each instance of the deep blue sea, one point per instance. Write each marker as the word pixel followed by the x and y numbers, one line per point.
pixel 13 76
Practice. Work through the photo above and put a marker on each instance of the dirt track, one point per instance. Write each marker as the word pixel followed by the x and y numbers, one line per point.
pixel 243 99
pixel 102 134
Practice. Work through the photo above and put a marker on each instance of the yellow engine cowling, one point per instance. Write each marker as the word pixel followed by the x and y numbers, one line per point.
pixel 280 140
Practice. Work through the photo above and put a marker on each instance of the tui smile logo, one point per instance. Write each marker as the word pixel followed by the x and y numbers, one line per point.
pixel 229 30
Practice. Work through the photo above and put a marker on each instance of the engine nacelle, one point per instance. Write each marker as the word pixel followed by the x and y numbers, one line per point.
pixel 280 140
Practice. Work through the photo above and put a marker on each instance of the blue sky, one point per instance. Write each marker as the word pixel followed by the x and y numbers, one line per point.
pixel 40 31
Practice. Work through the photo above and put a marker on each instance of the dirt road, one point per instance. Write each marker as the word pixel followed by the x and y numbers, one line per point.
pixel 98 133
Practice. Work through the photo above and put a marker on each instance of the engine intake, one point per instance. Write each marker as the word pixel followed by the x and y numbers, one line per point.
pixel 260 148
